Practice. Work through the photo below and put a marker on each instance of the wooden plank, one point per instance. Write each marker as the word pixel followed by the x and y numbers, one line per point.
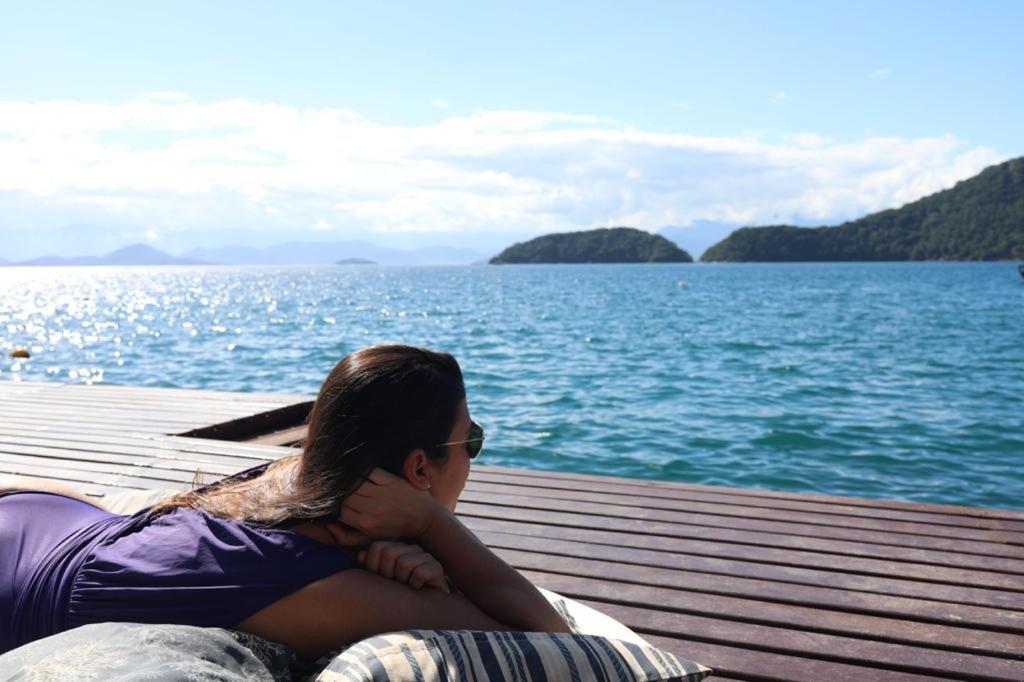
pixel 757 581
pixel 984 572
pixel 92 405
pixel 139 450
pixel 85 428
pixel 651 486
pixel 184 475
pixel 118 418
pixel 808 518
pixel 794 642
pixel 98 434
pixel 169 402
pixel 194 424
pixel 848 573
pixel 74 389
pixel 166 396
pixel 682 493
pixel 197 414
pixel 74 477
pixel 680 498
pixel 91 489
pixel 155 450
pixel 134 476
pixel 81 430
pixel 745 663
pixel 999 557
pixel 145 441
pixel 78 477
pixel 658 588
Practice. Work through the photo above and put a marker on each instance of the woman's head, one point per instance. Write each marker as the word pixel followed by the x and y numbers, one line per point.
pixel 394 407
pixel 399 408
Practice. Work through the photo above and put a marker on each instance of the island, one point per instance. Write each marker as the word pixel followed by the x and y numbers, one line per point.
pixel 355 261
pixel 981 218
pixel 603 245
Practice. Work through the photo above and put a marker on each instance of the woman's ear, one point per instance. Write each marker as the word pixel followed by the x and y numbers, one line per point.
pixel 415 469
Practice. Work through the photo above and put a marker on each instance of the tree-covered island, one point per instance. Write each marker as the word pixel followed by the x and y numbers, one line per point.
pixel 603 245
pixel 981 218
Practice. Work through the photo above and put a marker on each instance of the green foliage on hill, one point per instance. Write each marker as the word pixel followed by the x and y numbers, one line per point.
pixel 604 245
pixel 981 218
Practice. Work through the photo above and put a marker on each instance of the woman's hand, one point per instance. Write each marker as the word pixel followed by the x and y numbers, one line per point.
pixel 386 507
pixel 404 563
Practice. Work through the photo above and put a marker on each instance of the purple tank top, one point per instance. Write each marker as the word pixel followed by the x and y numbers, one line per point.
pixel 65 563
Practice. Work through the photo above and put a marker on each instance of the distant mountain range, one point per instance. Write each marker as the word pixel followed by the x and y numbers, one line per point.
pixel 292 253
pixel 981 218
pixel 325 253
pixel 135 254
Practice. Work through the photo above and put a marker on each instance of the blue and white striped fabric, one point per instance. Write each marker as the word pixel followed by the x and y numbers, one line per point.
pixel 477 655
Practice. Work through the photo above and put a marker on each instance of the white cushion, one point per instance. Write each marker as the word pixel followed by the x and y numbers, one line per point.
pixel 587 621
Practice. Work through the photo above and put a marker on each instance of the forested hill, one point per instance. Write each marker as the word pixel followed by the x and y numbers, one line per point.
pixel 604 245
pixel 981 218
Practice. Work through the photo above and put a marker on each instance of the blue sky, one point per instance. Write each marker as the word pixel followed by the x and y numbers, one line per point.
pixel 488 123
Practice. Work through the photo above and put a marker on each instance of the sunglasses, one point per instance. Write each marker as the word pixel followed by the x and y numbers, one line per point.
pixel 474 444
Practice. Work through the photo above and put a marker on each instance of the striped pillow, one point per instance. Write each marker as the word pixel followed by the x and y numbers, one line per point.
pixel 465 655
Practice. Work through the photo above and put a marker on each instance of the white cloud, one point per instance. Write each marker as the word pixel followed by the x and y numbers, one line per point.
pixel 179 164
pixel 879 74
pixel 780 96
pixel 321 226
pixel 441 103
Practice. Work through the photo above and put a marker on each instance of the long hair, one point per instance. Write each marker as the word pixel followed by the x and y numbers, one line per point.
pixel 376 405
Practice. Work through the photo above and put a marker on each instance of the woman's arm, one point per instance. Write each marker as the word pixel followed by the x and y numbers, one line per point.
pixel 388 507
pixel 486 580
pixel 354 604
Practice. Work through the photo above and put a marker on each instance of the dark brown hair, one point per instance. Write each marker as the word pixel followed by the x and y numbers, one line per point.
pixel 376 405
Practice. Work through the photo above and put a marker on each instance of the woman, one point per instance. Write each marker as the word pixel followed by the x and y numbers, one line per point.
pixel 387 455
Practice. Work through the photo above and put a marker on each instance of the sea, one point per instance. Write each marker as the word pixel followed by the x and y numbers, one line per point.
pixel 886 380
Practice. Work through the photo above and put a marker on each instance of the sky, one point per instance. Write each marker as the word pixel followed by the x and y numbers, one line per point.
pixel 196 124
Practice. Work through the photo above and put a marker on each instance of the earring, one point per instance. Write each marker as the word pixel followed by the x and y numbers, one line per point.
pixel 428 486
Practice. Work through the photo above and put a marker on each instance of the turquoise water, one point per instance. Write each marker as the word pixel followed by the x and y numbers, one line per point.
pixel 882 380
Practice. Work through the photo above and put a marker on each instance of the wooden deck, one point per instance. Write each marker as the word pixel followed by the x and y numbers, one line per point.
pixel 758 585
